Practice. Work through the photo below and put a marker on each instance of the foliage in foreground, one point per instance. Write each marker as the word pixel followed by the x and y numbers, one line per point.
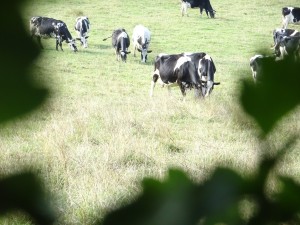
pixel 177 200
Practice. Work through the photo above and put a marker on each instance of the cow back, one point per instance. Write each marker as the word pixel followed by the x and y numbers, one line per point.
pixel 115 37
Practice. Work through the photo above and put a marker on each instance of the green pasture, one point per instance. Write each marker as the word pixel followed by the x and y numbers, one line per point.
pixel 99 133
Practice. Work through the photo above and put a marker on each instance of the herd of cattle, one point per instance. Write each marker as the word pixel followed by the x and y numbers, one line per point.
pixel 286 43
pixel 186 70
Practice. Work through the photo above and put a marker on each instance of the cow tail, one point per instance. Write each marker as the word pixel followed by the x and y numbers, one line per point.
pixel 107 38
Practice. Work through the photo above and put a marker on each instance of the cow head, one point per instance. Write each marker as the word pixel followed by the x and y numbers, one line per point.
pixel 212 13
pixel 206 71
pixel 123 55
pixel 83 41
pixel 63 33
pixel 144 51
pixel 72 44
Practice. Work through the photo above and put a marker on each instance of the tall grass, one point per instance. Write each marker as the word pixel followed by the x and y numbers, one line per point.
pixel 100 133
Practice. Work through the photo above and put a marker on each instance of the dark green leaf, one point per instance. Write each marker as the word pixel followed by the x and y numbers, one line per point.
pixel 276 95
pixel 172 202
pixel 18 94
pixel 25 192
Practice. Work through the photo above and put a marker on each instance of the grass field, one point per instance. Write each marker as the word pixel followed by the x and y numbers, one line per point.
pixel 100 133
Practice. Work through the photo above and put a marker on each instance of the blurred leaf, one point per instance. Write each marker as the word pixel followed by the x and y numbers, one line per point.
pixel 288 198
pixel 276 95
pixel 172 202
pixel 18 94
pixel 25 192
pixel 220 196
pixel 178 201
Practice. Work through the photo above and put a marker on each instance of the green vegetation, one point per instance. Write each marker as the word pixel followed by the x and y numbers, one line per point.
pixel 99 133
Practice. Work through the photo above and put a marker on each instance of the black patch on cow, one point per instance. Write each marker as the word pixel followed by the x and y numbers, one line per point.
pixel 285 11
pixel 203 5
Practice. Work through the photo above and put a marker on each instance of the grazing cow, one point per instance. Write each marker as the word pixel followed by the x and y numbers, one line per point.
pixel 120 42
pixel 202 4
pixel 290 15
pixel 175 70
pixel 141 39
pixel 44 27
pixel 258 64
pixel 82 28
pixel 286 43
pixel 206 70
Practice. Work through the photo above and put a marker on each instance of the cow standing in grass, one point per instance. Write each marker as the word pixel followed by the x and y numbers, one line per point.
pixel 175 70
pixel 290 15
pixel 141 38
pixel 206 70
pixel 44 27
pixel 286 43
pixel 120 41
pixel 202 4
pixel 82 28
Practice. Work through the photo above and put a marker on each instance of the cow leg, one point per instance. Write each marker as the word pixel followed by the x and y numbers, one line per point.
pixel 134 48
pixel 58 42
pixel 60 45
pixel 56 45
pixel 40 42
pixel 201 10
pixel 184 9
pixel 182 89
pixel 153 82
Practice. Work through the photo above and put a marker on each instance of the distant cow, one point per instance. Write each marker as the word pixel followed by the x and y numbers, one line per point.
pixel 286 43
pixel 290 15
pixel 202 4
pixel 44 27
pixel 141 38
pixel 175 70
pixel 206 70
pixel 82 28
pixel 259 64
pixel 120 42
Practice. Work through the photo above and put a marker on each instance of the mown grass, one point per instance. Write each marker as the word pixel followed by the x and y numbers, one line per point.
pixel 100 133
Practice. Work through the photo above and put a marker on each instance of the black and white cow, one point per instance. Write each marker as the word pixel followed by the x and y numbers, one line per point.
pixel 258 65
pixel 290 15
pixel 44 27
pixel 175 70
pixel 206 70
pixel 82 28
pixel 120 42
pixel 286 43
pixel 141 38
pixel 202 4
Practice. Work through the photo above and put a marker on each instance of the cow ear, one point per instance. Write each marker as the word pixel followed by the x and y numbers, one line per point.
pixel 86 37
pixel 139 50
pixel 78 39
pixel 128 52
pixel 149 51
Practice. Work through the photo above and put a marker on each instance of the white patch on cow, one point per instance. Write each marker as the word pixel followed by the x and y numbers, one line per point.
pixel 252 59
pixel 162 54
pixel 294 33
pixel 181 61
pixel 207 57
pixel 184 7
pixel 156 72
pixel 288 18
pixel 188 53
pixel 122 35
